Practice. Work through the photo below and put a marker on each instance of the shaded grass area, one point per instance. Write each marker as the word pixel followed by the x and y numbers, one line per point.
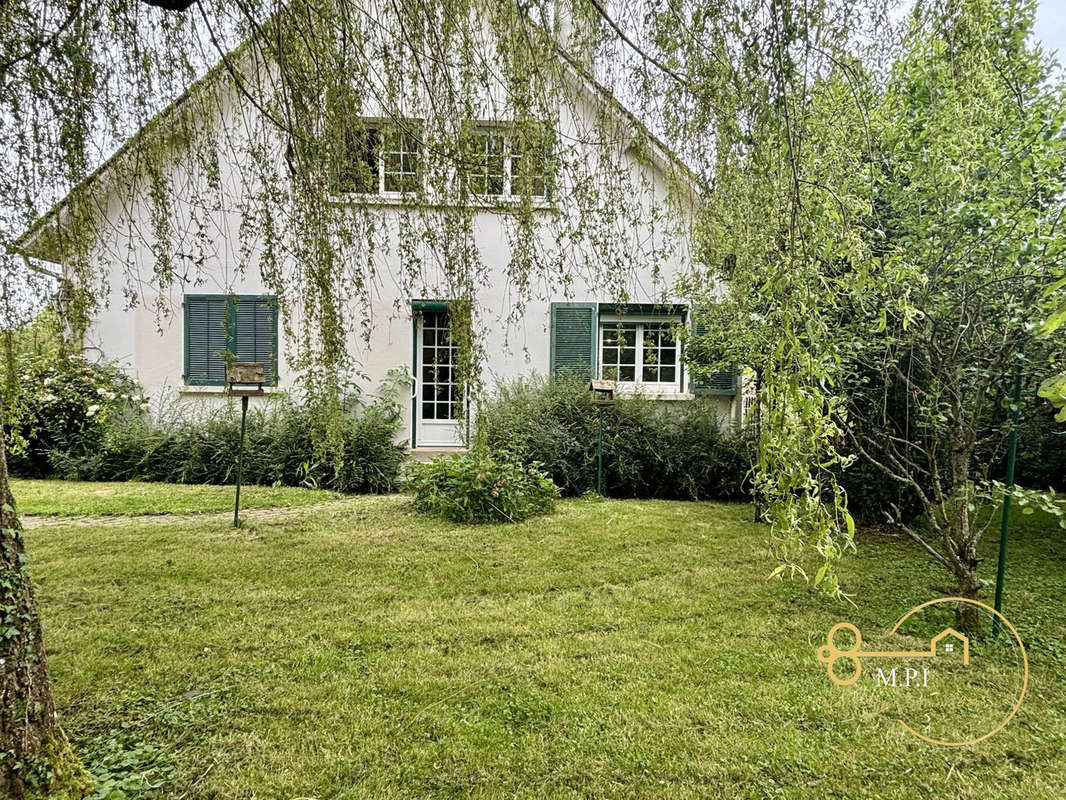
pixel 91 499
pixel 614 649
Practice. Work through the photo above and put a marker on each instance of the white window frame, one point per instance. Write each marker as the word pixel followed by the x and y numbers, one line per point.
pixel 509 157
pixel 639 385
pixel 379 126
pixel 402 134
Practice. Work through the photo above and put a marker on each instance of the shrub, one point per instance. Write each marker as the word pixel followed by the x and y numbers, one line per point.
pixel 478 487
pixel 62 405
pixel 1041 447
pixel 674 450
pixel 281 449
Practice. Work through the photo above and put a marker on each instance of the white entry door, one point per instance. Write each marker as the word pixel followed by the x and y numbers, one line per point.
pixel 439 409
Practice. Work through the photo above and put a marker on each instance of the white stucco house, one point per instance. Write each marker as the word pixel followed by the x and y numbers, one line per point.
pixel 174 335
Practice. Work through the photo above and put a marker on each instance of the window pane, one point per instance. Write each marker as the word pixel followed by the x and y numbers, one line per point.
pixel 428 411
pixel 487 167
pixel 658 353
pixel 618 354
pixel 357 164
pixel 401 162
pixel 529 168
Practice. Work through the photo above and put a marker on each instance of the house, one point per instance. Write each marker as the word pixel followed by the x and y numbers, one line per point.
pixel 609 221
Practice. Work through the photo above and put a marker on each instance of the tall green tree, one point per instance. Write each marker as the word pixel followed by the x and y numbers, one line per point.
pixel 971 160
pixel 897 230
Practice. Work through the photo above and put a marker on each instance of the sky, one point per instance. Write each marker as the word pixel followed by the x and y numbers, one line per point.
pixel 1051 25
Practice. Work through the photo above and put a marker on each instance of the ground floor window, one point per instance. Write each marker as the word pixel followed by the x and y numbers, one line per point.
pixel 221 328
pixel 642 353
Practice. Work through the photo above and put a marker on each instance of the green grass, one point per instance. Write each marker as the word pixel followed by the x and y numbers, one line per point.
pixel 87 499
pixel 614 650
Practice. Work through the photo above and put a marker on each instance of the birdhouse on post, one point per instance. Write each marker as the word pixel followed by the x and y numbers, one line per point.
pixel 245 378
pixel 601 392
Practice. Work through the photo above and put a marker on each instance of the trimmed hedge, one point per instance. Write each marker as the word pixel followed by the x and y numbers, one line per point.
pixel 280 450
pixel 651 449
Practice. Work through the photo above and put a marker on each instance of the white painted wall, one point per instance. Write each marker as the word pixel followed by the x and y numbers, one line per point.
pixel 140 325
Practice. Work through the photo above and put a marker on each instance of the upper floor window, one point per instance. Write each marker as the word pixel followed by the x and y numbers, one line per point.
pixel 221 328
pixel 503 167
pixel 379 159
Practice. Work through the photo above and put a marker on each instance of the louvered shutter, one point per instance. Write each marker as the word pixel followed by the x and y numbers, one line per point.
pixel 717 383
pixel 256 332
pixel 573 339
pixel 205 339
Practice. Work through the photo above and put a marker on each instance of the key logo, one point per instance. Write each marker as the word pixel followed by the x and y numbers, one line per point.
pixel 961 692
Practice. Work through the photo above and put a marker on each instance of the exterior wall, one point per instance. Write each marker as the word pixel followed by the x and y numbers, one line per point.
pixel 140 324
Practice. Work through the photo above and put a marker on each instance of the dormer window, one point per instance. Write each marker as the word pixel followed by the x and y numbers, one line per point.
pixel 382 159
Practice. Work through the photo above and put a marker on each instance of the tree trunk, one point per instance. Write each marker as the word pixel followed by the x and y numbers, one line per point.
pixel 32 747
pixel 964 546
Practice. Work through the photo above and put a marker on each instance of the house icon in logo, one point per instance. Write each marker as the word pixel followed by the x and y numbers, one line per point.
pixel 948 642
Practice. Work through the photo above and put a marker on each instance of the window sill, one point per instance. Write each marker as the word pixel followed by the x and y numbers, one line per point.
pixel 653 394
pixel 501 204
pixel 218 390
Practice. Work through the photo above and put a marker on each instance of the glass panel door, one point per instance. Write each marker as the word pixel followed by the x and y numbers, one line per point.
pixel 439 404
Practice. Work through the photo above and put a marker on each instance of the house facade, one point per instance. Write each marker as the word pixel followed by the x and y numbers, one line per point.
pixel 176 335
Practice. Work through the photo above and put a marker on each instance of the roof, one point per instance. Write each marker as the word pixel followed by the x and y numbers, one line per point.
pixel 35 243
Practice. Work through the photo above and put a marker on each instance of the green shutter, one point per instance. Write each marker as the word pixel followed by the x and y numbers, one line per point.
pixel 220 327
pixel 256 332
pixel 717 383
pixel 205 339
pixel 573 339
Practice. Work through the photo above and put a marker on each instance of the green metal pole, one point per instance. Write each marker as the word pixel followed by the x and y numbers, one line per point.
pixel 599 454
pixel 1012 452
pixel 240 463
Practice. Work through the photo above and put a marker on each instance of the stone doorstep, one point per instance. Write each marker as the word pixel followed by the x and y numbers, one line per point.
pixel 430 453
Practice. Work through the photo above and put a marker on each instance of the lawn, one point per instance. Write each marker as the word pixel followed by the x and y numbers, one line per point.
pixel 614 649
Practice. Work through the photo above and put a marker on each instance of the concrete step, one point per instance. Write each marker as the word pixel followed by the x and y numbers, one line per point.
pixel 430 453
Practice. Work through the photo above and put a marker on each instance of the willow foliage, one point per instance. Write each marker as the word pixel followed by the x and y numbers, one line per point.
pixel 257 152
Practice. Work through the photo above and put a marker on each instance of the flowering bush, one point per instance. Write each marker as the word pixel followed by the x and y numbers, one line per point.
pixel 479 488
pixel 62 405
